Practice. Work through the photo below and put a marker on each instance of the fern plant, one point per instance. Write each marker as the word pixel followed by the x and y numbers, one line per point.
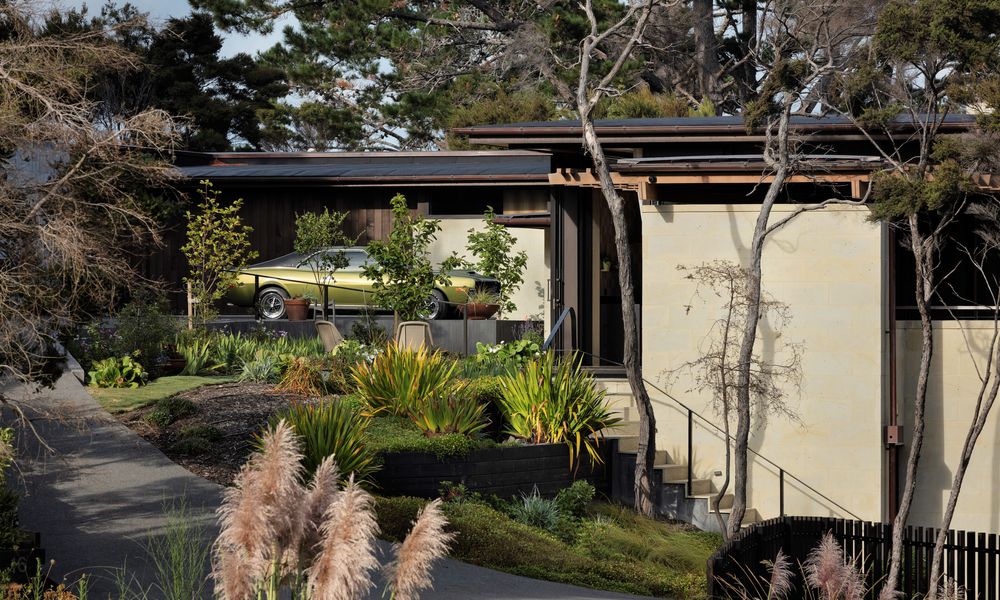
pixel 550 401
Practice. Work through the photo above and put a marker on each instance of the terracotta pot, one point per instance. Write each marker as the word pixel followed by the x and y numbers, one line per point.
pixel 479 312
pixel 297 309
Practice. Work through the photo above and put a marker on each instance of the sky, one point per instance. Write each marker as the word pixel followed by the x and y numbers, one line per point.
pixel 161 10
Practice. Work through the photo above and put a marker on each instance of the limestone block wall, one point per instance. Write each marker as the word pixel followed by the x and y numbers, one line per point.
pixel 826 265
pixel 951 396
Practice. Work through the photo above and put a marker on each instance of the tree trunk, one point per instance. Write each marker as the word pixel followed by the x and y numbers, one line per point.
pixel 644 500
pixel 705 49
pixel 924 270
pixel 987 392
pixel 749 338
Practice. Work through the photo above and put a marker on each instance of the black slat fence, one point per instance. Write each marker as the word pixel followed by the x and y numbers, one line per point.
pixel 971 559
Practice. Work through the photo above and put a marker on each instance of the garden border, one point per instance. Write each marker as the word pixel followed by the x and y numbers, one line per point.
pixel 505 471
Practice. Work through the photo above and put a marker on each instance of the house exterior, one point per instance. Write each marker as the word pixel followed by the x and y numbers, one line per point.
pixel 693 189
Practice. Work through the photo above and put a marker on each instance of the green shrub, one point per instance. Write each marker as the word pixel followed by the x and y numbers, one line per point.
pixel 352 351
pixel 168 410
pixel 536 511
pixel 451 414
pixel 144 328
pixel 262 368
pixel 197 439
pixel 192 446
pixel 556 402
pixel 207 432
pixel 573 500
pixel 399 434
pixel 311 347
pixel 123 372
pixel 332 429
pixel 198 354
pixel 489 538
pixel 401 381
pixel 508 355
pixel 232 351
pixel 367 331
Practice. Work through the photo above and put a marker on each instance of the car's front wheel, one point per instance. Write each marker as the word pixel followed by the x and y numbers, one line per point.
pixel 437 306
pixel 271 302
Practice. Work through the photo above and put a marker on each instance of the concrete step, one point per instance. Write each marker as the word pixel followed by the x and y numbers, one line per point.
pixel 623 430
pixel 613 385
pixel 672 472
pixel 698 486
pixel 725 503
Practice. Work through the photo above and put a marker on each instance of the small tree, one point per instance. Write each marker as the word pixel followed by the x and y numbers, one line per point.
pixel 492 246
pixel 400 268
pixel 218 246
pixel 315 232
pixel 716 370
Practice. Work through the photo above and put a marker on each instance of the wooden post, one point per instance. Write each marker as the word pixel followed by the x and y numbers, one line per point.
pixel 190 299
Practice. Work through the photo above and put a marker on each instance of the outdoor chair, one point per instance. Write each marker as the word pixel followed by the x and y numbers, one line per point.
pixel 414 335
pixel 329 334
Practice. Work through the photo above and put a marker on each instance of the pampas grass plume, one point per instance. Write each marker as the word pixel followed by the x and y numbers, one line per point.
pixel 259 514
pixel 781 577
pixel 346 557
pixel 323 491
pixel 427 541
pixel 280 471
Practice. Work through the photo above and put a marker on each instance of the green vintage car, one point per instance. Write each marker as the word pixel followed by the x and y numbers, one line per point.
pixel 270 283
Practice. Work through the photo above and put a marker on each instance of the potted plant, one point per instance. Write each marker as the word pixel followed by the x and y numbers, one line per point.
pixel 481 305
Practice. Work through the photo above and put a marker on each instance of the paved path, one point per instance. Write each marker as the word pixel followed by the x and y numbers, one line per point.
pixel 101 496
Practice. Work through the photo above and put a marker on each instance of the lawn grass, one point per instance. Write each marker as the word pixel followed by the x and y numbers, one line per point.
pixel 614 549
pixel 120 400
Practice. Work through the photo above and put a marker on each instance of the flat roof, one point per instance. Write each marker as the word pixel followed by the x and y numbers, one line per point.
pixel 375 166
pixel 633 132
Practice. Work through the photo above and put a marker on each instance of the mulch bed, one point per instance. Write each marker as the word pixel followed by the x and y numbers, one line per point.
pixel 237 410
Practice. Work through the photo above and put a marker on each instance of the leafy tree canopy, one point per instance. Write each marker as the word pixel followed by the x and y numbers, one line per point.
pixel 183 74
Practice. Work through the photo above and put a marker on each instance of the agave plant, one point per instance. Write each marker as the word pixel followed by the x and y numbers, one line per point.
pixel 334 429
pixel 401 381
pixel 550 401
pixel 441 415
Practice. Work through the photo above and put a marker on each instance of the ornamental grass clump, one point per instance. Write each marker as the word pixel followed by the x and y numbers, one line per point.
pixel 550 401
pixel 331 429
pixel 317 540
pixel 442 415
pixel 401 381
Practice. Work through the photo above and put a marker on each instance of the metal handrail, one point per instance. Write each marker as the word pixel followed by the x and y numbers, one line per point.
pixel 567 312
pixel 691 413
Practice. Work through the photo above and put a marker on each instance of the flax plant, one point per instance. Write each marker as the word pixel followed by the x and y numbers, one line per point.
pixel 549 401
pixel 316 539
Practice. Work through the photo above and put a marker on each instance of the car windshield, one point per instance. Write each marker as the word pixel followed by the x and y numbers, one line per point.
pixel 355 258
pixel 292 259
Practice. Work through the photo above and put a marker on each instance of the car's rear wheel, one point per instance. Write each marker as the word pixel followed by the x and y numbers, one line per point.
pixel 437 307
pixel 271 302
